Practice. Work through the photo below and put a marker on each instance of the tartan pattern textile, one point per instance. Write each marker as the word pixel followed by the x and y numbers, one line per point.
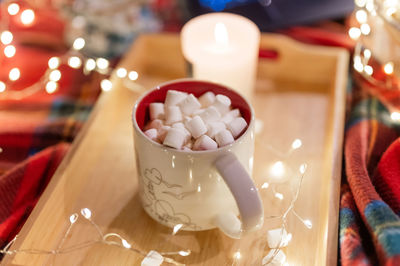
pixel 21 187
pixel 32 148
pixel 350 239
pixel 369 224
pixel 369 207
pixel 36 131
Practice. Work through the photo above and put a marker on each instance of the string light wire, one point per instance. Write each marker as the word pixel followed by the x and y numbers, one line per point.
pixel 73 57
pixel 106 239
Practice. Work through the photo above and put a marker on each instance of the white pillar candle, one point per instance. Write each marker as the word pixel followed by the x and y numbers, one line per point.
pixel 222 48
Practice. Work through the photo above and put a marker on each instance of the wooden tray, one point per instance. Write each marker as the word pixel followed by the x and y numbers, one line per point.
pixel 299 95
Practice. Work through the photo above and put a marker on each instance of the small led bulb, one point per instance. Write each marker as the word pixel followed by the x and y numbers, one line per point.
pixel 121 72
pixel 55 75
pixel 90 64
pixel 106 85
pixel 2 86
pixel 6 37
pixel 54 62
pixel 14 74
pixel 133 75
pixel 79 43
pixel 74 62
pixel 51 87
pixel 102 63
pixel 73 218
pixel 13 9
pixel 27 17
pixel 86 213
pixel 9 51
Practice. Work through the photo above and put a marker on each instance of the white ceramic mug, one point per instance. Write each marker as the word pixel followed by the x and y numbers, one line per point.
pixel 198 189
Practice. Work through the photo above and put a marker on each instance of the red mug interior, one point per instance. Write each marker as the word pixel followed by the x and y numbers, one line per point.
pixel 190 86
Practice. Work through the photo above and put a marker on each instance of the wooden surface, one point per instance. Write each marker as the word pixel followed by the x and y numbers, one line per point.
pixel 301 95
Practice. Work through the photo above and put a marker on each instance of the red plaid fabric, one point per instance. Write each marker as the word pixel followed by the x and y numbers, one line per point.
pixel 22 185
pixel 370 195
pixel 35 131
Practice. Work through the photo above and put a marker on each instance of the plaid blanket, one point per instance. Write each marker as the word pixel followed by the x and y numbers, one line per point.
pixel 369 224
pixel 370 200
pixel 36 131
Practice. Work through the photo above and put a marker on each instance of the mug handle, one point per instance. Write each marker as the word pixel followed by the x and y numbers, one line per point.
pixel 246 196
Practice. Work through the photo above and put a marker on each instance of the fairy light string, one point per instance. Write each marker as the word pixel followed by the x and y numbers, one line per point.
pixel 112 239
pixel 377 46
pixel 49 80
pixel 367 11
pixel 277 171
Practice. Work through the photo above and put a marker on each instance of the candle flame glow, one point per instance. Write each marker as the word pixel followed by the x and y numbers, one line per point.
pixel 221 34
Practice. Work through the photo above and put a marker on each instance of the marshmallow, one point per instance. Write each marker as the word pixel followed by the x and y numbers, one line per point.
pixel 189 105
pixel 152 134
pixel 185 148
pixel 222 103
pixel 182 127
pixel 174 97
pixel 174 138
pixel 228 117
pixel 275 257
pixel 178 125
pixel 210 114
pixel 205 143
pixel 157 124
pixel 207 99
pixel 237 126
pixel 198 112
pixel 172 115
pixel 235 112
pixel 224 137
pixel 214 128
pixel 156 111
pixel 196 126
pixel 186 119
pixel 278 238
pixel 162 132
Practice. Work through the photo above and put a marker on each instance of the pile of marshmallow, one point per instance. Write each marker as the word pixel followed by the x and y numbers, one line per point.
pixel 185 122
